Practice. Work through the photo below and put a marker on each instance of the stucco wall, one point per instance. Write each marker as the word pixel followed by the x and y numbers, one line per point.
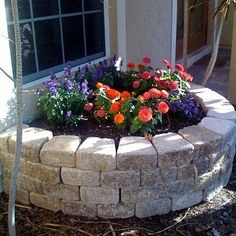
pixel 113 26
pixel 148 30
pixel 226 38
pixel 7 98
pixel 232 80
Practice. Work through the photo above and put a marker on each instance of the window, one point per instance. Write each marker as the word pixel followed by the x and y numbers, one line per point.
pixel 54 32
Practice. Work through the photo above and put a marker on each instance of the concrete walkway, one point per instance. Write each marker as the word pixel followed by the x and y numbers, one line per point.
pixel 220 75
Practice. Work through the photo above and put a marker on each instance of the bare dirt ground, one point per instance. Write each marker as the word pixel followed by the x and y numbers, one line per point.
pixel 215 218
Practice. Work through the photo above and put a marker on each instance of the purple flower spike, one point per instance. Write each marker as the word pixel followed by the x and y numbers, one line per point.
pixel 68 114
pixel 69 85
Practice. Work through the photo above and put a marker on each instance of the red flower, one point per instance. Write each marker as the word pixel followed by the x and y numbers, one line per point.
pixel 163 107
pixel 125 95
pixel 167 63
pixel 136 84
pixel 119 118
pixel 88 106
pixel 155 93
pixel 173 85
pixel 156 80
pixel 141 66
pixel 179 67
pixel 146 75
pixel 112 94
pixel 164 94
pixel 147 95
pixel 145 114
pixel 185 76
pixel 131 65
pixel 163 83
pixel 146 60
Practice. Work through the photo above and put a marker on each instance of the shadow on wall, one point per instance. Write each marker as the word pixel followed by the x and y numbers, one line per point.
pixel 9 119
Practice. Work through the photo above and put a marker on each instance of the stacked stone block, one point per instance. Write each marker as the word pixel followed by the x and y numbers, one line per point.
pixel 141 178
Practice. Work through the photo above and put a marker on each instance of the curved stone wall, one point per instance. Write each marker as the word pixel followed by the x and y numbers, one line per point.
pixel 140 178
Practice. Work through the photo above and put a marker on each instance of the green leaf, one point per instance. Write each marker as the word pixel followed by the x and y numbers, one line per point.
pixel 136 125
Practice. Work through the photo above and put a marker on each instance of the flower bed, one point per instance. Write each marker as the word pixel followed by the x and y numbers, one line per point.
pixel 142 177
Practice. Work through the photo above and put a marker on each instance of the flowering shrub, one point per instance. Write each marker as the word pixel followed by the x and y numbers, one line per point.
pixel 145 95
pixel 137 99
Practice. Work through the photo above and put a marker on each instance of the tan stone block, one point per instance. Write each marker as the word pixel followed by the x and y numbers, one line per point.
pixel 60 151
pixel 186 172
pixel 120 210
pixel 96 154
pixel 139 194
pixel 79 208
pixel 46 202
pixel 32 141
pixel 45 173
pixel 99 195
pixel 172 150
pixel 205 141
pixel 136 153
pixel 78 177
pixel 120 179
pixel 62 191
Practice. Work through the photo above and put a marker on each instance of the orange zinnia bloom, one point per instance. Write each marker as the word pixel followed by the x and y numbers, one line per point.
pixel 145 114
pixel 164 93
pixel 146 95
pixel 155 93
pixel 112 94
pixel 119 118
pixel 99 85
pixel 125 95
pixel 115 107
pixel 163 107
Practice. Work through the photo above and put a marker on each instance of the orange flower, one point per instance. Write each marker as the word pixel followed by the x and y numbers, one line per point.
pixel 115 107
pixel 119 118
pixel 164 94
pixel 112 94
pixel 125 95
pixel 145 114
pixel 163 107
pixel 99 85
pixel 155 93
pixel 141 98
pixel 131 65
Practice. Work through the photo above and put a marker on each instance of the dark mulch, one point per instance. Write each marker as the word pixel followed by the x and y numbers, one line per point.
pixel 215 218
pixel 91 128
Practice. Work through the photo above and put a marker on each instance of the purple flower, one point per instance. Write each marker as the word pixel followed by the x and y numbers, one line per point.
pixel 53 76
pixel 68 114
pixel 85 88
pixel 69 85
pixel 53 91
pixel 67 71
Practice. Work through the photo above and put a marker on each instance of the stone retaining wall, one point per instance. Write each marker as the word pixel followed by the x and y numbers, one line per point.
pixel 140 178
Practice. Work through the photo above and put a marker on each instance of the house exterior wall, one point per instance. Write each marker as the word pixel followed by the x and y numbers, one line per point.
pixel 7 97
pixel 148 30
pixel 226 37
pixel 232 78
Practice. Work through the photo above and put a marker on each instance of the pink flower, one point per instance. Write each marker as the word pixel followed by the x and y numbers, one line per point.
pixel 179 67
pixel 155 93
pixel 136 84
pixel 173 85
pixel 146 60
pixel 146 75
pixel 88 106
pixel 163 107
pixel 147 95
pixel 100 113
pixel 167 63
pixel 163 83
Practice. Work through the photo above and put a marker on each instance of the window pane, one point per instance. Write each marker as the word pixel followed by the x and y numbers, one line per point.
pixel 28 56
pixel 45 7
pixel 24 9
pixel 48 42
pixel 69 6
pixel 73 37
pixel 94 24
pixel 90 5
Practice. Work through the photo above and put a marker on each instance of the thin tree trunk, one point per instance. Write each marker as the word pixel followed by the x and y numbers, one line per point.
pixel 19 120
pixel 212 62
